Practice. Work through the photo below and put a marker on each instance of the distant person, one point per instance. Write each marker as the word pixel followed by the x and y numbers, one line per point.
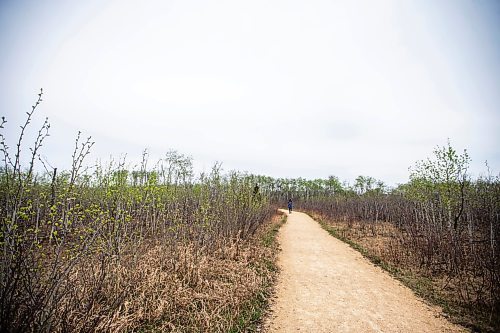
pixel 255 190
pixel 290 206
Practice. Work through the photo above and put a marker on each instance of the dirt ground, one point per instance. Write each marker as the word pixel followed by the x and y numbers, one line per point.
pixel 326 286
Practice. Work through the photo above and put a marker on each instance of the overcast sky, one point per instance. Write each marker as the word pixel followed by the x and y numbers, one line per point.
pixel 282 88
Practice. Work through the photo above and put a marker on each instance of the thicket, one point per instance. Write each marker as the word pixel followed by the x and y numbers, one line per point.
pixel 114 247
pixel 119 248
pixel 442 225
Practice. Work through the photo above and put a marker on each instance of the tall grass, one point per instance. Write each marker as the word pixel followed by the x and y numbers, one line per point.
pixel 108 248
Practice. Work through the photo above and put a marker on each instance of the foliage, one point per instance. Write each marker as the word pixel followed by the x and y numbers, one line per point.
pixel 112 248
pixel 156 247
pixel 444 179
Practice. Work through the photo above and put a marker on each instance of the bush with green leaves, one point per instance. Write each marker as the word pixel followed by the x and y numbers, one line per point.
pixel 68 236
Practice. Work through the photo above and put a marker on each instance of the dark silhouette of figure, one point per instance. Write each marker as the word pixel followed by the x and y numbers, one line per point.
pixel 256 190
pixel 290 206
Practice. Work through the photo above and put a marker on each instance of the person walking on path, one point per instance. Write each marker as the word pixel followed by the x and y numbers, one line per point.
pixel 290 206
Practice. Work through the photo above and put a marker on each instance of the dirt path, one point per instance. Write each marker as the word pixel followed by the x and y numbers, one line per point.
pixel 326 286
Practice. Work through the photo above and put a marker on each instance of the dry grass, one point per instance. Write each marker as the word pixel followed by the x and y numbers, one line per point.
pixel 165 288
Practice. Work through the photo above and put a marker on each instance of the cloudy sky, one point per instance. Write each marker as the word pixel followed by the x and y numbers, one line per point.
pixel 282 88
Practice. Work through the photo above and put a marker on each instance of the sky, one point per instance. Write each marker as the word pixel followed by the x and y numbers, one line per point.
pixel 281 88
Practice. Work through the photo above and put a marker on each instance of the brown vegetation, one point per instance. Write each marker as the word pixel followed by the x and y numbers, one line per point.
pixel 160 288
pixel 105 248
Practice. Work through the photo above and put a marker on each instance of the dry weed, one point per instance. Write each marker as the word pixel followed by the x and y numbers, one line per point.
pixel 165 288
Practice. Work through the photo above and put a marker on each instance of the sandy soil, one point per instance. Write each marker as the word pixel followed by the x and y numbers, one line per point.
pixel 326 286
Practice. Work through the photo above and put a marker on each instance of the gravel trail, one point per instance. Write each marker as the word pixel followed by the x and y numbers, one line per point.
pixel 326 286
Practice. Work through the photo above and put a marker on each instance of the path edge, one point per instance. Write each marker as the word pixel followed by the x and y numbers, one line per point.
pixel 418 285
pixel 257 310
